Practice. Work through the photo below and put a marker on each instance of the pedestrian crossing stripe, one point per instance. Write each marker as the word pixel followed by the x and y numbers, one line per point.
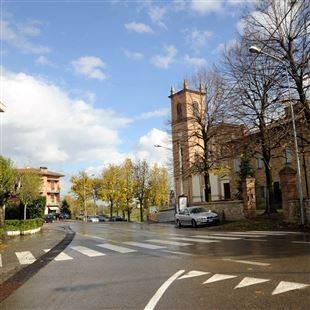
pixel 192 274
pixel 86 251
pixel 239 235
pixel 195 240
pixel 25 257
pixel 217 237
pixel 116 248
pixel 60 257
pixel 0 261
pixel 145 245
pixel 168 242
pixel 247 281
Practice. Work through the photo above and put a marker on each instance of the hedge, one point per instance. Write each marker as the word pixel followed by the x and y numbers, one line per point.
pixel 23 224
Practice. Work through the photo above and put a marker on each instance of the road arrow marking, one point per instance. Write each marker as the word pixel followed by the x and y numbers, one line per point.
pixel 160 292
pixel 193 273
pixel 86 251
pixel 247 281
pixel 219 277
pixel 284 286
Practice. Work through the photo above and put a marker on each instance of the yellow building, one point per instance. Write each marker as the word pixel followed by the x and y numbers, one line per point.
pixel 50 187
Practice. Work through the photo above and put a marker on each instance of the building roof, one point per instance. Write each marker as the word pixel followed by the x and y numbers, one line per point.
pixel 41 171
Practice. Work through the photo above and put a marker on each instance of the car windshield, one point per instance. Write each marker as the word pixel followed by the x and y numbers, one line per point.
pixel 198 210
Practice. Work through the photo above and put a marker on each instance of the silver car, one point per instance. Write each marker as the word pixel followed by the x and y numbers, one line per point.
pixel 195 216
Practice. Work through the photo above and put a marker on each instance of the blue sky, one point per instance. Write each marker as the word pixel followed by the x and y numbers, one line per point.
pixel 86 83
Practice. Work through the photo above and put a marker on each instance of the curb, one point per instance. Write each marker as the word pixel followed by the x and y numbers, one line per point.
pixel 14 233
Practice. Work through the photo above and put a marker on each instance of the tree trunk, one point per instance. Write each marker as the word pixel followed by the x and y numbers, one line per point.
pixel 270 208
pixel 2 216
pixel 207 187
pixel 128 215
pixel 25 211
pixel 111 208
pixel 141 212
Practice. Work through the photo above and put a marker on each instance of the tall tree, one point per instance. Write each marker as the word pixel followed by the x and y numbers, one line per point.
pixel 96 184
pixel 29 190
pixel 141 179
pixel 158 188
pixel 82 190
pixel 204 118
pixel 110 189
pixel 256 95
pixel 8 182
pixel 282 28
pixel 127 179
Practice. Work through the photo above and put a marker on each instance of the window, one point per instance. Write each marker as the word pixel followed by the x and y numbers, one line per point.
pixel 179 111
pixel 259 162
pixel 237 165
pixel 195 109
pixel 288 156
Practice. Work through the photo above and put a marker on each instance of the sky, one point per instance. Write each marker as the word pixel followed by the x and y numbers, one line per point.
pixel 86 83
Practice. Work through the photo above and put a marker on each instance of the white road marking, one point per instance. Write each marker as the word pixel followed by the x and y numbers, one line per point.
pixel 284 286
pixel 219 238
pixel 90 236
pixel 25 258
pixel 193 273
pixel 154 300
pixel 305 242
pixel 271 233
pixel 116 248
pixel 168 242
pixel 60 257
pixel 219 277
pixel 256 240
pixel 195 240
pixel 241 235
pixel 0 261
pixel 246 262
pixel 276 232
pixel 145 245
pixel 178 253
pixel 247 281
pixel 86 251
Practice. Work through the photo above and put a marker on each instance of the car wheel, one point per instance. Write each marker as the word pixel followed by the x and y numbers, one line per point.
pixel 194 223
pixel 178 224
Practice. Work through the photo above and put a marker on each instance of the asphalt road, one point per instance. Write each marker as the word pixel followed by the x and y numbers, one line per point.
pixel 134 266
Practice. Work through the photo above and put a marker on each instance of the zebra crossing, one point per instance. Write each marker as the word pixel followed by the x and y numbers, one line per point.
pixel 167 245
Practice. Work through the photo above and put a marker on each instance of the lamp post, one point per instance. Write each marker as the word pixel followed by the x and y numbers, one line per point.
pixel 2 109
pixel 257 50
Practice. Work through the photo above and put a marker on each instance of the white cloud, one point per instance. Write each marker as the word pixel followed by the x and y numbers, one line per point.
pixel 145 148
pixel 157 15
pixel 44 126
pixel 222 47
pixel 156 113
pixel 206 7
pixel 138 27
pixel 90 67
pixel 44 61
pixel 194 61
pixel 134 55
pixel 197 39
pixel 164 61
pixel 17 36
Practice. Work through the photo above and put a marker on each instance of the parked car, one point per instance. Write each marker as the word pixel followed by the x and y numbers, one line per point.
pixel 102 218
pixel 49 218
pixel 93 219
pixel 64 216
pixel 196 216
pixel 116 219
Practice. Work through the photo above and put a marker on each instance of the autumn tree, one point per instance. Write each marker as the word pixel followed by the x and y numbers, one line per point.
pixel 29 189
pixel 82 190
pixel 96 184
pixel 141 179
pixel 282 28
pixel 158 187
pixel 110 190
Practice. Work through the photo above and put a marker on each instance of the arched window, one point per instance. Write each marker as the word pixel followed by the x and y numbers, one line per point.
pixel 195 109
pixel 179 111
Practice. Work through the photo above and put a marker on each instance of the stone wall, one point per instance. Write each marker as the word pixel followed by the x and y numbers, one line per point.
pixel 293 214
pixel 227 210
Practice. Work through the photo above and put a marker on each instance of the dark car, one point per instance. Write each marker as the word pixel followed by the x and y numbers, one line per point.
pixel 102 218
pixel 49 218
pixel 64 216
pixel 116 219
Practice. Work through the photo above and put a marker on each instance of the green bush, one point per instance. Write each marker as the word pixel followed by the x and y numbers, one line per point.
pixel 12 225
pixel 23 224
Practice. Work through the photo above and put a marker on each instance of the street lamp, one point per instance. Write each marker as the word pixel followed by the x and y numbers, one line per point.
pixel 2 109
pixel 256 50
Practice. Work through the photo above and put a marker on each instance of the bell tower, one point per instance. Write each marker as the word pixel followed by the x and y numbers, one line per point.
pixel 186 106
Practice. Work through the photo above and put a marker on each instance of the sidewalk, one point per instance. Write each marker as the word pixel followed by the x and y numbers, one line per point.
pixel 50 235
